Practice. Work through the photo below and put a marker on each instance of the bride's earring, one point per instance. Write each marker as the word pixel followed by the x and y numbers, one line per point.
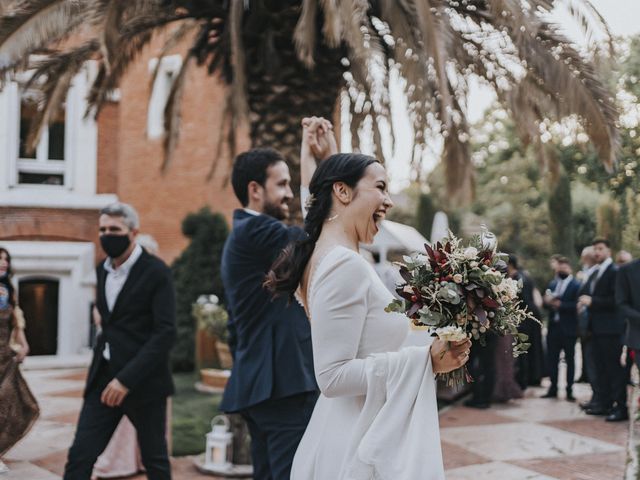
pixel 331 219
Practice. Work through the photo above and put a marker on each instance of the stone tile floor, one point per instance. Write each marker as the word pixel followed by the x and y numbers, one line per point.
pixel 531 438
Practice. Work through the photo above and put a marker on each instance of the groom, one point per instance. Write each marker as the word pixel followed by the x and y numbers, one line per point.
pixel 272 383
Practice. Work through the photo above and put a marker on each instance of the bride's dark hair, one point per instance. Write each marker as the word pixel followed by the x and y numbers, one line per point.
pixel 286 272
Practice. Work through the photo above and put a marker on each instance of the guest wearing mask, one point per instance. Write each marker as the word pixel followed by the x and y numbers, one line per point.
pixel 561 301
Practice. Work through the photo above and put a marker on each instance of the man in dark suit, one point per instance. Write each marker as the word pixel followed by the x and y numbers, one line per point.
pixel 272 383
pixel 129 374
pixel 606 327
pixel 561 299
pixel 628 301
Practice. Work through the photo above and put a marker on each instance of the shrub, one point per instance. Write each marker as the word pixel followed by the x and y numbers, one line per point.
pixel 196 272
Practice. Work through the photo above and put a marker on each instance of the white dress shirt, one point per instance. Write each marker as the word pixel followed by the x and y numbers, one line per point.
pixel 116 278
pixel 251 212
pixel 601 269
pixel 558 292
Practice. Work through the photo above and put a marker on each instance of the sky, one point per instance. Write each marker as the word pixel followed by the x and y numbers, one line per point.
pixel 621 16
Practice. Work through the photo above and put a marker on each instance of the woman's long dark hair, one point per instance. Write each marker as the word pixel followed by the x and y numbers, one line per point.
pixel 286 272
pixel 6 280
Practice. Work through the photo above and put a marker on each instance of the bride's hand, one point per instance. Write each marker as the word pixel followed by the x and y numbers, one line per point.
pixel 318 137
pixel 446 358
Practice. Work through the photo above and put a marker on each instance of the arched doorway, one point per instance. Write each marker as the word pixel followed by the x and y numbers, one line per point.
pixel 38 298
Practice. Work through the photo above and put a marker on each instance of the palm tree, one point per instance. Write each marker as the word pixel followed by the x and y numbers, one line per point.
pixel 285 59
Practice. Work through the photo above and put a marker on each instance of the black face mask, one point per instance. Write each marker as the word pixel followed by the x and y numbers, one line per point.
pixel 115 245
pixel 563 275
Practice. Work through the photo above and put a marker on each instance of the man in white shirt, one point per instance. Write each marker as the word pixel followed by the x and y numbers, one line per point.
pixel 561 299
pixel 130 373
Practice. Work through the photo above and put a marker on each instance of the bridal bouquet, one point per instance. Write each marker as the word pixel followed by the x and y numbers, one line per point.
pixel 462 292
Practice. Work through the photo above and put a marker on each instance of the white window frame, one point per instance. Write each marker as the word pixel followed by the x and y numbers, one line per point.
pixel 41 163
pixel 161 89
pixel 80 152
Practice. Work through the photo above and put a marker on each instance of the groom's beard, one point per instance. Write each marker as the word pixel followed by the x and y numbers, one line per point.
pixel 275 210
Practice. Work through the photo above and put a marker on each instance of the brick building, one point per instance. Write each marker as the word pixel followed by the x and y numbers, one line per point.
pixel 49 201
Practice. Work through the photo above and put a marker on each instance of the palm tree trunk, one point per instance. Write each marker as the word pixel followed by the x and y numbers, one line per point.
pixel 281 94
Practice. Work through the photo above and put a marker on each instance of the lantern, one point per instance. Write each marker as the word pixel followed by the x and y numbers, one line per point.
pixel 219 450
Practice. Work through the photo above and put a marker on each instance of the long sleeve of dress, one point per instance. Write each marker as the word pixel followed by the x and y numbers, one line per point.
pixel 338 310
pixel 18 318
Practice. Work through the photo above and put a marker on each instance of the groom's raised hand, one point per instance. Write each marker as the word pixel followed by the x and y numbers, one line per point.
pixel 318 143
pixel 319 137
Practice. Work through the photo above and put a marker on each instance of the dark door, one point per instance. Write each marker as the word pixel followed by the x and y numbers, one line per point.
pixel 39 300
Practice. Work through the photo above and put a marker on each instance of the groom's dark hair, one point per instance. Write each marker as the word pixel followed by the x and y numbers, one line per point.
pixel 250 167
pixel 286 273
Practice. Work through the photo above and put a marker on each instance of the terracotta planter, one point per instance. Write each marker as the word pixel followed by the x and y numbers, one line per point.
pixel 224 355
pixel 212 377
pixel 206 355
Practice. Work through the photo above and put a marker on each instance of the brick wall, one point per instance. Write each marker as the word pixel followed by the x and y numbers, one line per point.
pixel 48 224
pixel 108 139
pixel 164 198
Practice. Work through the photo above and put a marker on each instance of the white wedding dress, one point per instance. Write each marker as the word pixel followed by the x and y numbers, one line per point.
pixel 376 417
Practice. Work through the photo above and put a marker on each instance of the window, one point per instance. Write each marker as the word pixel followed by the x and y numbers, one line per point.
pixel 169 68
pixel 44 165
pixel 62 169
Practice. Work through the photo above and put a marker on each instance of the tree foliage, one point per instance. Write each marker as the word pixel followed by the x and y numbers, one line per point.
pixel 560 216
pixel 269 51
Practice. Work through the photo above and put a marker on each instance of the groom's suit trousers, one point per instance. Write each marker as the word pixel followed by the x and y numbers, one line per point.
pixel 276 427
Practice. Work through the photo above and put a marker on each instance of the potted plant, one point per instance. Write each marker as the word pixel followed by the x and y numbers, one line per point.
pixel 211 317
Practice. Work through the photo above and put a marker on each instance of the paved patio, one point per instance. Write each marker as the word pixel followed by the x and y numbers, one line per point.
pixel 532 438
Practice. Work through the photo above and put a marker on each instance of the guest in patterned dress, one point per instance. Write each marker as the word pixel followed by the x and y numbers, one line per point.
pixel 18 407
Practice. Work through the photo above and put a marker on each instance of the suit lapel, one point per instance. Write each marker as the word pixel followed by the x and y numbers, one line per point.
pixel 101 299
pixel 133 276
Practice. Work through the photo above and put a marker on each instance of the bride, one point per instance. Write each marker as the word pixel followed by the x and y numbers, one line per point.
pixel 377 416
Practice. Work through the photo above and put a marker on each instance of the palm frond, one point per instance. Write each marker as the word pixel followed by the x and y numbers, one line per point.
pixel 590 19
pixel 304 35
pixel 54 76
pixel 107 81
pixel 433 37
pixel 172 42
pixel 332 28
pixel 172 112
pixel 579 91
pixel 35 24
pixel 111 31
pixel 239 103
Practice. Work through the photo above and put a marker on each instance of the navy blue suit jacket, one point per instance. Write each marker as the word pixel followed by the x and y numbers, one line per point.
pixel 568 322
pixel 270 340
pixel 604 319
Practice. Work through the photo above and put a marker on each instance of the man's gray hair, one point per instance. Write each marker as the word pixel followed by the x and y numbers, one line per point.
pixel 125 211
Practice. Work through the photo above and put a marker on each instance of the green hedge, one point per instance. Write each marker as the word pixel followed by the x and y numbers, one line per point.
pixel 196 272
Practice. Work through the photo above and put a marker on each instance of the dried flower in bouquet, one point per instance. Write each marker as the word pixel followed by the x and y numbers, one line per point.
pixel 462 291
